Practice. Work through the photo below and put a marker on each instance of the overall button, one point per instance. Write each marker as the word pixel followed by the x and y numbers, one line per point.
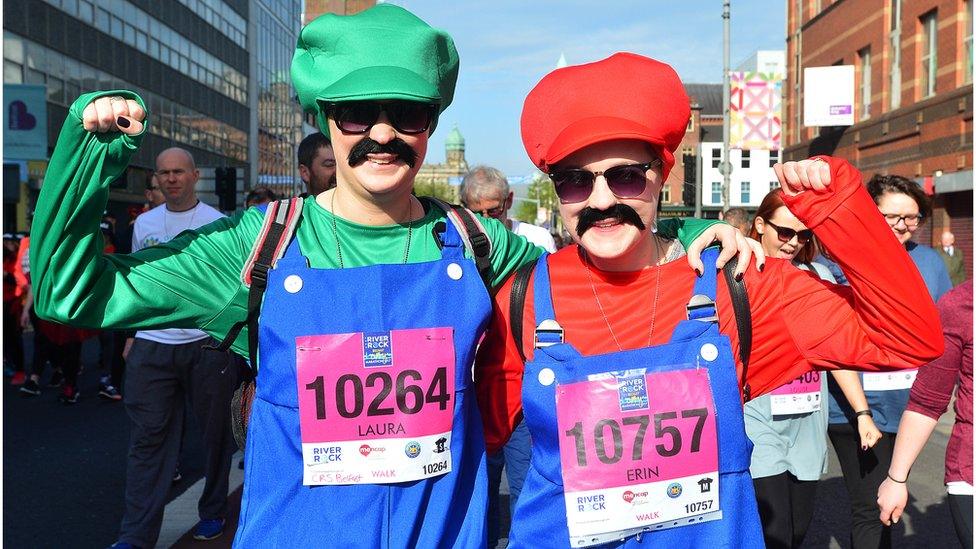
pixel 547 376
pixel 454 271
pixel 293 284
pixel 709 352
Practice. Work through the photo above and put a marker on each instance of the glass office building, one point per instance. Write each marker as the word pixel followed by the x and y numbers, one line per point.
pixel 190 60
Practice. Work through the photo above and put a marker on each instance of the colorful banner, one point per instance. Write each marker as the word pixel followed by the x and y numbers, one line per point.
pixel 24 122
pixel 755 110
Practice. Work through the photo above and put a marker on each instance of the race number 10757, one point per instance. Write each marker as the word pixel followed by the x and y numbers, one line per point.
pixel 669 435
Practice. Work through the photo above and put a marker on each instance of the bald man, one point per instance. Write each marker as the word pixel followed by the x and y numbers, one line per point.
pixel 163 368
pixel 953 258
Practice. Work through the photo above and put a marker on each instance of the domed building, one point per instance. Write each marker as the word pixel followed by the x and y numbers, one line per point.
pixel 441 180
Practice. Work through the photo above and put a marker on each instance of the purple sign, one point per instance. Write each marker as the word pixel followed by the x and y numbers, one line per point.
pixel 840 109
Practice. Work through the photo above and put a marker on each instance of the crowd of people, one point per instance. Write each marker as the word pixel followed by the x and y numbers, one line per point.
pixel 637 386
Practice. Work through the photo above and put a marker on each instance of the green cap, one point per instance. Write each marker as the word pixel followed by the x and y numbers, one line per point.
pixel 385 52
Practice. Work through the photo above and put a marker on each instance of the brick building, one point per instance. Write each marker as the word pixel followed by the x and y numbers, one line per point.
pixel 315 8
pixel 913 104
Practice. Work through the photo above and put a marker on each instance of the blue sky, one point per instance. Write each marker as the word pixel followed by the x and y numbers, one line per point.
pixel 506 46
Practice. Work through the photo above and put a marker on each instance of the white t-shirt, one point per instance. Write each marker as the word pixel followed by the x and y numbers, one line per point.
pixel 536 235
pixel 160 225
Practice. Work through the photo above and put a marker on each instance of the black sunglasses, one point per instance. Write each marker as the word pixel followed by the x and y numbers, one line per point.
pixel 785 235
pixel 409 117
pixel 625 181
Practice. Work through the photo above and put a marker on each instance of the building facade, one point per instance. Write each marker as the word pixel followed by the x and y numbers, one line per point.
pixel 315 8
pixel 913 96
pixel 188 59
pixel 442 180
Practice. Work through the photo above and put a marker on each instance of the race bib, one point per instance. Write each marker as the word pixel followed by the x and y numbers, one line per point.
pixel 800 396
pixel 638 452
pixel 889 381
pixel 376 408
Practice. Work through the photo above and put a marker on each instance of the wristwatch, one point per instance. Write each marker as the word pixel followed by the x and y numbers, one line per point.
pixel 867 412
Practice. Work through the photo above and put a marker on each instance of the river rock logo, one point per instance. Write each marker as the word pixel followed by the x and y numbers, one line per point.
pixel 412 449
pixel 674 490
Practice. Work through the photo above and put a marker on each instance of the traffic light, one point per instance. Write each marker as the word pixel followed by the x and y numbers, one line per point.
pixel 225 187
pixel 688 189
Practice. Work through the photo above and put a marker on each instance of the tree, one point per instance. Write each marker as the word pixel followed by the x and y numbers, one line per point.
pixel 541 195
pixel 436 189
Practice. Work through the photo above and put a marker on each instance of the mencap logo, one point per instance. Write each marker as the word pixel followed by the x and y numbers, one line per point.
pixel 412 449
pixel 674 490
pixel 366 449
pixel 631 496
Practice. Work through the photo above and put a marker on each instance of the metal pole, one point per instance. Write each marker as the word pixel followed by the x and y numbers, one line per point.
pixel 726 167
pixel 698 181
pixel 253 151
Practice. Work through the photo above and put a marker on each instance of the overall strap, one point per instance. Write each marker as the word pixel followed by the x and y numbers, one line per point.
pixel 473 233
pixel 547 330
pixel 280 219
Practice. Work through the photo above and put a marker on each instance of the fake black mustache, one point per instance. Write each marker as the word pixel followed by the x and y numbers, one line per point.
pixel 591 216
pixel 367 146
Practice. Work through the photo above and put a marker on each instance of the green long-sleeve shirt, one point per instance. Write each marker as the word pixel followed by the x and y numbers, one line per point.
pixel 194 281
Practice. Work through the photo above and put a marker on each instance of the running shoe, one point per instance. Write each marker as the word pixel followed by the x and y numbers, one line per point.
pixel 57 378
pixel 30 388
pixel 208 529
pixel 18 378
pixel 69 395
pixel 110 392
pixel 123 545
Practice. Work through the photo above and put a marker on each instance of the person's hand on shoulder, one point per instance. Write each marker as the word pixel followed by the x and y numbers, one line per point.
pixel 114 114
pixel 733 243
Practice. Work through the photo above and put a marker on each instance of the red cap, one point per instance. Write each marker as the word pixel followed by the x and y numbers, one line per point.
pixel 625 96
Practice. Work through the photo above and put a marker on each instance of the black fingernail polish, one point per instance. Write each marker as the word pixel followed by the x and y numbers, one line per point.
pixel 738 277
pixel 698 272
pixel 761 267
pixel 123 122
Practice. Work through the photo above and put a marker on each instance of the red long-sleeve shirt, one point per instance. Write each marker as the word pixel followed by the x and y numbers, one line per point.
pixel 933 387
pixel 798 322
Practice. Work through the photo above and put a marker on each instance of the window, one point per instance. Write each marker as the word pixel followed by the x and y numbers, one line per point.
pixel 929 57
pixel 864 85
pixel 745 192
pixel 666 194
pixel 716 192
pixel 691 124
pixel 773 185
pixel 745 159
pixel 967 42
pixel 773 158
pixel 895 71
pixel 716 157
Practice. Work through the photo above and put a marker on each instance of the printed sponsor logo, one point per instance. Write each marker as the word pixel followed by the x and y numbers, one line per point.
pixel 595 502
pixel 366 450
pixel 630 496
pixel 632 392
pixel 412 449
pixel 377 349
pixel 440 445
pixel 674 490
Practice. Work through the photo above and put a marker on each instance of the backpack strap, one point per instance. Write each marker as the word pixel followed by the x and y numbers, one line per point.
pixel 520 286
pixel 474 235
pixel 743 322
pixel 280 219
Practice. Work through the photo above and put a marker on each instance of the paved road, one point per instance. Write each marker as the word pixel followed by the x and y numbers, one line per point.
pixel 64 475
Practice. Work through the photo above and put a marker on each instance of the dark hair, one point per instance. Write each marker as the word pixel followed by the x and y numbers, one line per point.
pixel 879 185
pixel 260 195
pixel 770 203
pixel 309 147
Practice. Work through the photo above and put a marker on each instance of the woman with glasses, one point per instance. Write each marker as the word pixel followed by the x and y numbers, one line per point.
pixel 903 204
pixel 788 427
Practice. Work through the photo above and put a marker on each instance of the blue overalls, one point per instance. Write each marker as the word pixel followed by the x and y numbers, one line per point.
pixel 540 514
pixel 277 510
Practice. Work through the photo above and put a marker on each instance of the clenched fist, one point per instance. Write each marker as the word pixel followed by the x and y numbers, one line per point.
pixel 805 175
pixel 113 113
